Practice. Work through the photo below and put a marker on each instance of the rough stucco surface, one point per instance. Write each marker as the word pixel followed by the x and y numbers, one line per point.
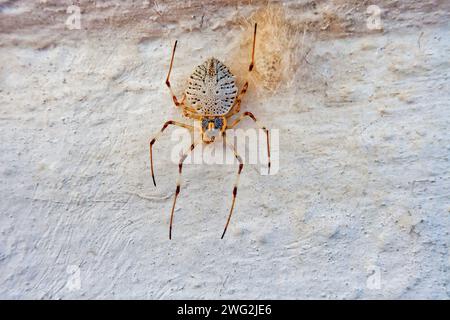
pixel 358 209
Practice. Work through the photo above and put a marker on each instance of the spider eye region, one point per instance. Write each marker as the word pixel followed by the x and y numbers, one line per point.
pixel 218 123
pixel 212 124
pixel 205 124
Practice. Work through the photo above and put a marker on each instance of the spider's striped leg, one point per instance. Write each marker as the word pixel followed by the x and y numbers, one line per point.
pixel 153 140
pixel 237 104
pixel 174 97
pixel 241 166
pixel 177 190
pixel 191 113
pixel 250 115
pixel 250 68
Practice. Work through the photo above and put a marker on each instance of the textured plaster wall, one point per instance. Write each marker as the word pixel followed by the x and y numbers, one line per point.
pixel 358 209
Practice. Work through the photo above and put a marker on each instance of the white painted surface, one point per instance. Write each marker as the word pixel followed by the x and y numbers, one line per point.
pixel 359 207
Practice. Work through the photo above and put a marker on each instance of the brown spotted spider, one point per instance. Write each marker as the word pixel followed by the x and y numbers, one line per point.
pixel 211 98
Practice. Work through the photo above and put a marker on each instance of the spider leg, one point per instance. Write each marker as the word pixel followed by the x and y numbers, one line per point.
pixel 250 68
pixel 174 97
pixel 153 140
pixel 177 190
pixel 241 166
pixel 190 113
pixel 250 115
pixel 237 104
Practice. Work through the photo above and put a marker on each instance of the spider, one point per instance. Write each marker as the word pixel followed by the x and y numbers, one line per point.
pixel 210 97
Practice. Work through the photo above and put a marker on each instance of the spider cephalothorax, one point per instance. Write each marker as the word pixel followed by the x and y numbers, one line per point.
pixel 212 98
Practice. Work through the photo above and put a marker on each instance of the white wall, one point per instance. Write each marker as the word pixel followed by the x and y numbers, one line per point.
pixel 358 209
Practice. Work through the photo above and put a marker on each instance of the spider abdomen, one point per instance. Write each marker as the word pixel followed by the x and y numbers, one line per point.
pixel 211 88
